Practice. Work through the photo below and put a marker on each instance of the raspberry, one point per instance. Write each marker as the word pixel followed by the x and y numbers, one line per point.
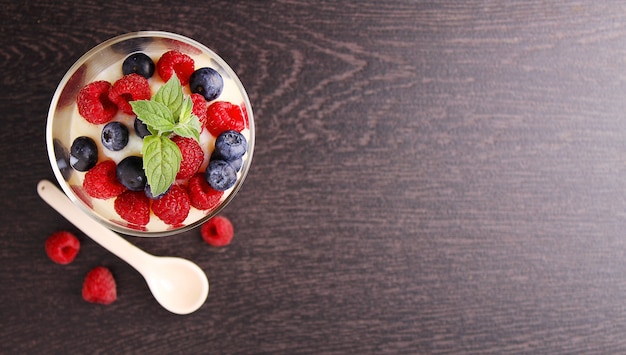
pixel 99 286
pixel 94 104
pixel 199 108
pixel 217 231
pixel 193 156
pixel 173 207
pixel 131 87
pixel 62 247
pixel 133 207
pixel 175 62
pixel 101 181
pixel 201 195
pixel 222 116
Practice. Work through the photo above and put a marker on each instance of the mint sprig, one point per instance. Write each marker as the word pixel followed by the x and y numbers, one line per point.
pixel 168 112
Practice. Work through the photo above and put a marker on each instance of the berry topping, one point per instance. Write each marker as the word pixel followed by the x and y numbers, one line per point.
pixel 114 136
pixel 141 129
pixel 99 286
pixel 138 63
pixel 222 116
pixel 174 207
pixel 130 173
pixel 201 195
pixel 217 231
pixel 133 207
pixel 220 175
pixel 230 145
pixel 237 163
pixel 175 62
pixel 83 153
pixel 148 191
pixel 131 87
pixel 94 104
pixel 199 107
pixel 62 247
pixel 192 154
pixel 206 82
pixel 101 181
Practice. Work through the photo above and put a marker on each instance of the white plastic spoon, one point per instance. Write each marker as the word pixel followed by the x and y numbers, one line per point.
pixel 179 285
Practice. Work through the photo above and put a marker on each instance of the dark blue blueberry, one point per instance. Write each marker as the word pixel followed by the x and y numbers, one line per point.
pixel 114 136
pixel 138 63
pixel 231 145
pixel 83 153
pixel 148 191
pixel 220 175
pixel 140 128
pixel 237 163
pixel 206 82
pixel 63 159
pixel 130 173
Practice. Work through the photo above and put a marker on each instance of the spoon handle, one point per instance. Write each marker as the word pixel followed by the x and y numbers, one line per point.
pixel 96 231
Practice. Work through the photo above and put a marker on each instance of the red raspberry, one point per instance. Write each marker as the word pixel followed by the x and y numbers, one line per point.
pixel 62 247
pixel 199 108
pixel 101 181
pixel 193 156
pixel 201 195
pixel 94 104
pixel 173 207
pixel 217 231
pixel 131 87
pixel 175 62
pixel 99 286
pixel 222 116
pixel 133 207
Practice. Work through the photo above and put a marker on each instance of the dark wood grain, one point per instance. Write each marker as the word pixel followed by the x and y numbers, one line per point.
pixel 429 177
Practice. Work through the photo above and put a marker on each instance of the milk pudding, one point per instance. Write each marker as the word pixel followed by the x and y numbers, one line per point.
pixel 229 103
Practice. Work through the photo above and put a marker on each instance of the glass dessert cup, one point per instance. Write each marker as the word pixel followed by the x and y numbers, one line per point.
pixel 63 114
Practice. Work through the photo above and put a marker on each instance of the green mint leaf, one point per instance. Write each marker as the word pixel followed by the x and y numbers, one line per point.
pixel 161 161
pixel 171 95
pixel 186 110
pixel 155 115
pixel 191 129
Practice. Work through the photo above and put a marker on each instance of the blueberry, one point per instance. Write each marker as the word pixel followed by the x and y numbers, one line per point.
pixel 206 82
pixel 114 136
pixel 130 173
pixel 231 145
pixel 148 191
pixel 83 153
pixel 138 63
pixel 140 128
pixel 237 163
pixel 220 175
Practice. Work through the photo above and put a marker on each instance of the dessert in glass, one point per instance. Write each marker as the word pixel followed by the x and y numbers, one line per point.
pixel 151 133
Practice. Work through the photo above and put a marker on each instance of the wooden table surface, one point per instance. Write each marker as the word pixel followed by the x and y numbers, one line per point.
pixel 429 177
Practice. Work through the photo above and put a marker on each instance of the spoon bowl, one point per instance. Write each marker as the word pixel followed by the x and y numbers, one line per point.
pixel 179 285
